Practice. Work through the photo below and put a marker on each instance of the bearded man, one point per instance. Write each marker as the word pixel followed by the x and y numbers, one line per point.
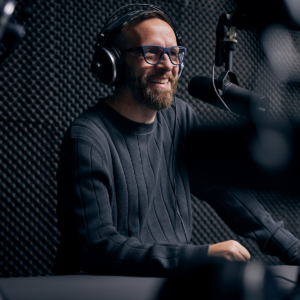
pixel 124 204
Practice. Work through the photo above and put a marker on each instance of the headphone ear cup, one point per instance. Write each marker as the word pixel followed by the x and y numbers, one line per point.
pixel 180 70
pixel 108 65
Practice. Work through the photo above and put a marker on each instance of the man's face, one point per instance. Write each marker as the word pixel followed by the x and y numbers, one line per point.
pixel 152 86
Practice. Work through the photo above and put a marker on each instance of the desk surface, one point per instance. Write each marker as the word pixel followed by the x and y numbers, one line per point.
pixel 90 287
pixel 85 287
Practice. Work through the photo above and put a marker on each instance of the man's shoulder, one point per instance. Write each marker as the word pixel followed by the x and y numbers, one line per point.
pixel 88 124
pixel 88 116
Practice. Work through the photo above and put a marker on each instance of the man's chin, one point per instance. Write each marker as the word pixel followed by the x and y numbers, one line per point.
pixel 160 93
pixel 159 99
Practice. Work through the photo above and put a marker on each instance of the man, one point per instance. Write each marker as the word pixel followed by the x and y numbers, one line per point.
pixel 124 203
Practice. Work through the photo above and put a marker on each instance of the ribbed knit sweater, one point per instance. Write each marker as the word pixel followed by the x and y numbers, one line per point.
pixel 124 204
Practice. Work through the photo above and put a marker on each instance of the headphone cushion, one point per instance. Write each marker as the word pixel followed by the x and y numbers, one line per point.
pixel 119 64
pixel 111 61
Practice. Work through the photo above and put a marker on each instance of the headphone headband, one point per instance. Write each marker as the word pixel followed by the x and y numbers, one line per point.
pixel 108 28
pixel 103 35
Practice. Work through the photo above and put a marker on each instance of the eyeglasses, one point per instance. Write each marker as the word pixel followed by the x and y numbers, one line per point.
pixel 153 54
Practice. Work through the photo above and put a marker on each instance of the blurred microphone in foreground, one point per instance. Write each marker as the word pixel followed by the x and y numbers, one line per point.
pixel 11 33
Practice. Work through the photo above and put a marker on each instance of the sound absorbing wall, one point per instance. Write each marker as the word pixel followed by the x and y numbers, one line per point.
pixel 46 83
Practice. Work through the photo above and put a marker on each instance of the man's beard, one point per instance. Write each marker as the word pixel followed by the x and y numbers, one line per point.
pixel 154 98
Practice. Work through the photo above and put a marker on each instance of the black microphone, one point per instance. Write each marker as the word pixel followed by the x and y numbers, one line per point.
pixel 239 100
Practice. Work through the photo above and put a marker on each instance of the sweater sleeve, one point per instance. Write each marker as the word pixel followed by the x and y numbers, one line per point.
pixel 247 217
pixel 84 194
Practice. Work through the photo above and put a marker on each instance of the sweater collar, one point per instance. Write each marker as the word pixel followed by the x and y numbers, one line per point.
pixel 124 124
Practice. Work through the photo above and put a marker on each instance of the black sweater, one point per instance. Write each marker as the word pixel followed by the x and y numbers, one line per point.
pixel 124 204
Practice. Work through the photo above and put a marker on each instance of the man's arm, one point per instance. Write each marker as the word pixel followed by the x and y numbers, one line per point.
pixel 246 216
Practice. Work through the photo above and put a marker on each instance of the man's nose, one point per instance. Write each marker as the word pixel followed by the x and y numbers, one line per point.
pixel 166 63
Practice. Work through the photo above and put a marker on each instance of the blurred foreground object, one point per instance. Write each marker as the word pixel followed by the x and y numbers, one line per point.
pixel 246 155
pixel 281 52
pixel 258 14
pixel 11 33
pixel 224 280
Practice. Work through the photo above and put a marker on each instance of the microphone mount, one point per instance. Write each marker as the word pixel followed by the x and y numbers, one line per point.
pixel 229 44
pixel 224 79
pixel 226 41
pixel 225 45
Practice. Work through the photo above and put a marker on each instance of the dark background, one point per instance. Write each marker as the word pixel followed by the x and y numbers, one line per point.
pixel 46 83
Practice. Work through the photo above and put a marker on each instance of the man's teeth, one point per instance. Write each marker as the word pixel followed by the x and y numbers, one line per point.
pixel 160 80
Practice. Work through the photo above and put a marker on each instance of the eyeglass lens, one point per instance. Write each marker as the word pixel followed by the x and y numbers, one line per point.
pixel 154 53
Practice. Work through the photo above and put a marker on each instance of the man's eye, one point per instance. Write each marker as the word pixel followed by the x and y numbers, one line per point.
pixel 138 52
pixel 151 52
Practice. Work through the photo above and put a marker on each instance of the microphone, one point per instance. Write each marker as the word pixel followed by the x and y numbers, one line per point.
pixel 239 100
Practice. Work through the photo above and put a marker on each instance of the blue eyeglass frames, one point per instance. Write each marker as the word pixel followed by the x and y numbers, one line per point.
pixel 153 54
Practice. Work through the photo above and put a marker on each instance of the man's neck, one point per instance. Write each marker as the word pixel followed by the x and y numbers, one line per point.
pixel 123 102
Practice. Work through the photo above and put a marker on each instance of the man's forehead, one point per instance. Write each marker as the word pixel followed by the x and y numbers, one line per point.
pixel 149 29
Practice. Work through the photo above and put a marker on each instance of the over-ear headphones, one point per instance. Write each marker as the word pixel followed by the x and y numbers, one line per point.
pixel 108 63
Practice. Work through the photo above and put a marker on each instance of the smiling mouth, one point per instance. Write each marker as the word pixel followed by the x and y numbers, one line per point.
pixel 162 81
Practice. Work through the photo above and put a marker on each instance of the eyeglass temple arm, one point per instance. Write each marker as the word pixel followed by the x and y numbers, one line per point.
pixel 132 49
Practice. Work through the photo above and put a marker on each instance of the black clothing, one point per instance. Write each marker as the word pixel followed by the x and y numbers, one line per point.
pixel 124 203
